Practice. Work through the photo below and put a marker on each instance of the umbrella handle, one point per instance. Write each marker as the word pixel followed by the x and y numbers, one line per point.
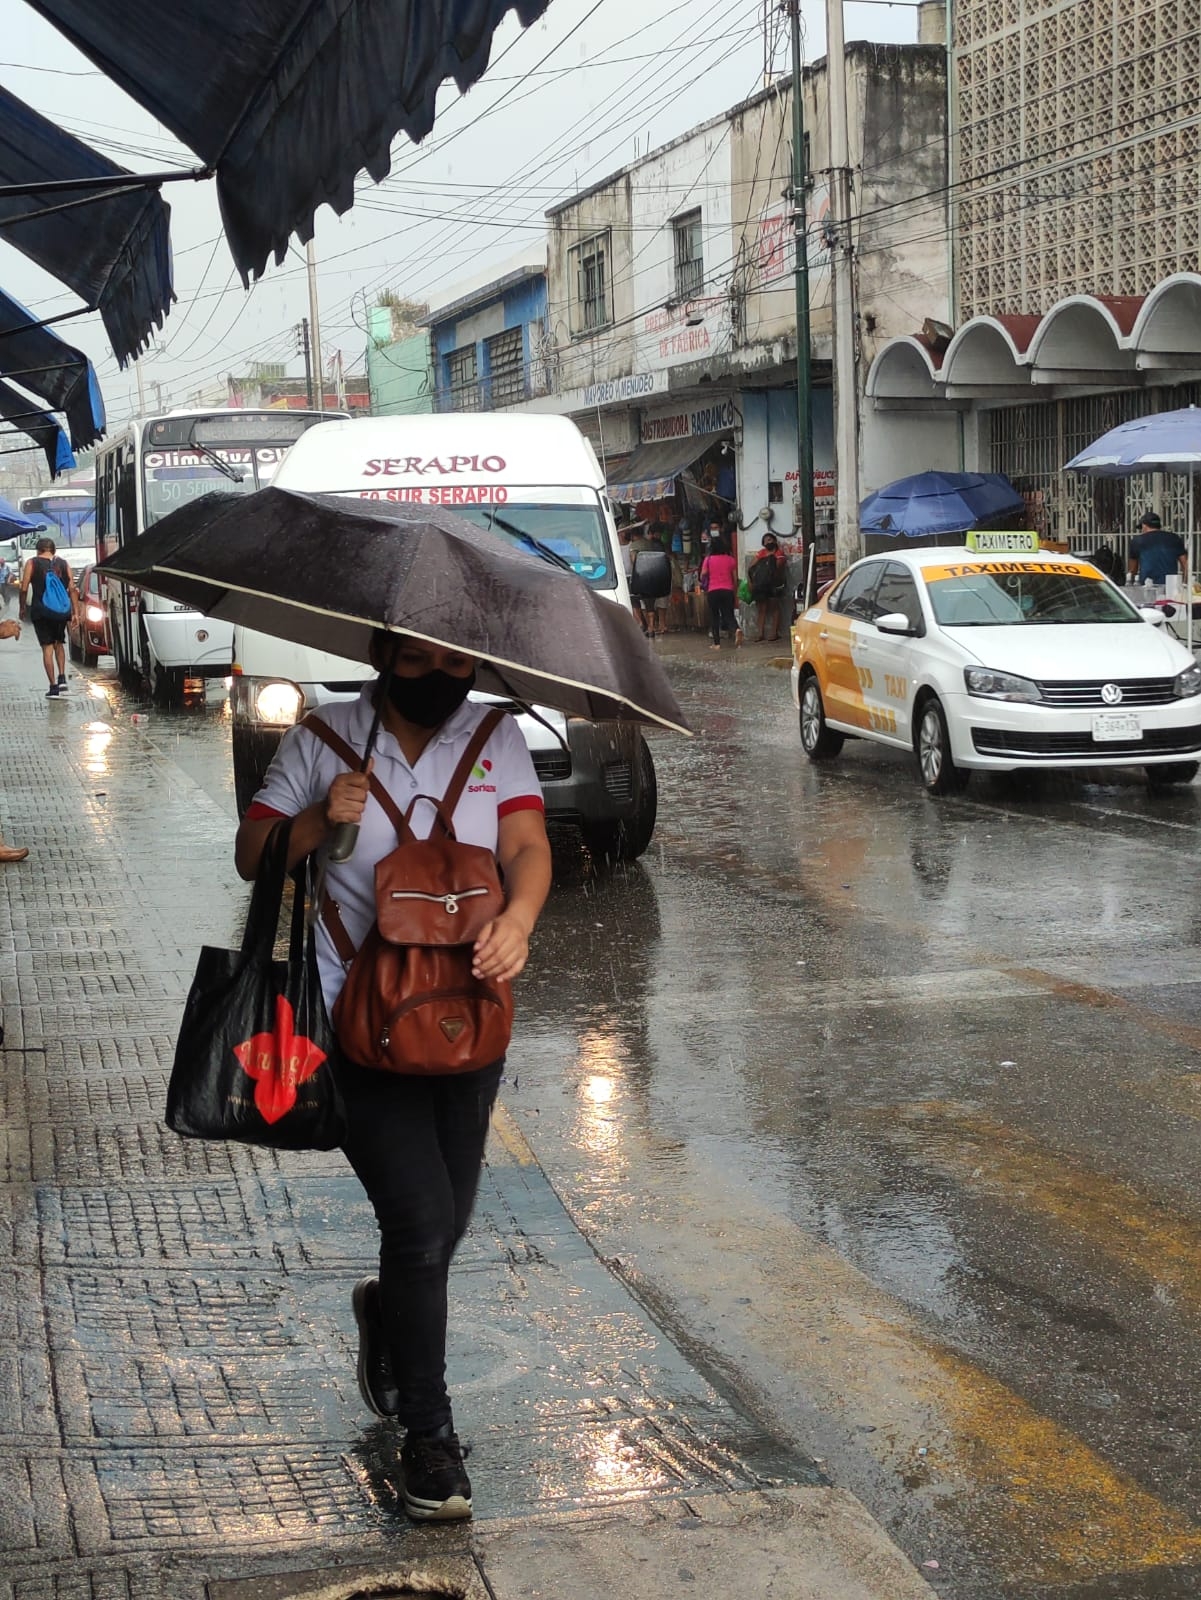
pixel 346 836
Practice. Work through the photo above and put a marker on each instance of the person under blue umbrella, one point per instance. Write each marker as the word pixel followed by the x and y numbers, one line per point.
pixel 1156 554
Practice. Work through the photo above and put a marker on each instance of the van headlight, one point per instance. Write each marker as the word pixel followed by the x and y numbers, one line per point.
pixel 1187 682
pixel 1000 685
pixel 279 704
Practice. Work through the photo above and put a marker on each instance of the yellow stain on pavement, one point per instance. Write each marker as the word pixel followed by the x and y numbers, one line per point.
pixel 511 1139
pixel 1062 1510
pixel 1145 1238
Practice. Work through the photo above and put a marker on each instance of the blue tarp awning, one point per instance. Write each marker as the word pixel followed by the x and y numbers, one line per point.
pixel 40 426
pixel 52 369
pixel 114 252
pixel 287 100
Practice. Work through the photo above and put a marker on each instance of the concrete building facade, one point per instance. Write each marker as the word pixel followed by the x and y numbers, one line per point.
pixel 1075 226
pixel 671 302
pixel 486 344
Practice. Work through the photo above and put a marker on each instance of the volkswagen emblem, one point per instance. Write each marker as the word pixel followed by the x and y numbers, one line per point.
pixel 1111 693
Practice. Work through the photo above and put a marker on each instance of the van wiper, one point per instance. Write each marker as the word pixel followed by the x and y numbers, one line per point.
pixel 223 467
pixel 544 550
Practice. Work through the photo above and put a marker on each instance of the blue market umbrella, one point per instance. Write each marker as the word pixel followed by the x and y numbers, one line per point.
pixel 1168 441
pixel 930 503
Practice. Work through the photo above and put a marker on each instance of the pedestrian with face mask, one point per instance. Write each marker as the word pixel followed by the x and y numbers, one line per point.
pixel 766 578
pixel 415 1140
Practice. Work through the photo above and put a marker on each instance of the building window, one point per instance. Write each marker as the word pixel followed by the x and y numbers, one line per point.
pixel 690 265
pixel 590 271
pixel 462 373
pixel 506 367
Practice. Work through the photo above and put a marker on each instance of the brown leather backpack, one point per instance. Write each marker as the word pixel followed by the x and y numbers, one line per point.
pixel 410 1002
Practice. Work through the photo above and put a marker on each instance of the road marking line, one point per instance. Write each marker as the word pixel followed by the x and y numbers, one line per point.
pixel 1144 1237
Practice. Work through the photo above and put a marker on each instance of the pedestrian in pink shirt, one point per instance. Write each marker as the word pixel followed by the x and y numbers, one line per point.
pixel 719 580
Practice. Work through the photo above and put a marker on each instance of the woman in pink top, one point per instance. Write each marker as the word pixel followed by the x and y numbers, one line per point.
pixel 719 579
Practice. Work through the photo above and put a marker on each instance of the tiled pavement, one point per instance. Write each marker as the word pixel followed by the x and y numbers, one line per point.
pixel 177 1395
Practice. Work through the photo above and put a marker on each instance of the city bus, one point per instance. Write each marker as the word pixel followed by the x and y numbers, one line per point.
pixel 149 468
pixel 68 516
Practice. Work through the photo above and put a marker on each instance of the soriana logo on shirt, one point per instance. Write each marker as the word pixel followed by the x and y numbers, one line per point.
pixel 481 773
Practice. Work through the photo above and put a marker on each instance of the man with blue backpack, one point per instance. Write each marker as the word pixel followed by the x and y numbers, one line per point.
pixel 48 598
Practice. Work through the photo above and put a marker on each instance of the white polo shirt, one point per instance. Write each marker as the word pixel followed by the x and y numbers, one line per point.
pixel 304 767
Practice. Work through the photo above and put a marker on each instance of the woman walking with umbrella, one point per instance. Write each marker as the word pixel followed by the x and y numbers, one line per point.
pixel 415 1141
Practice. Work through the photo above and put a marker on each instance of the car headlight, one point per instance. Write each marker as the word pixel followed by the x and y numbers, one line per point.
pixel 279 704
pixel 1187 682
pixel 94 613
pixel 1000 685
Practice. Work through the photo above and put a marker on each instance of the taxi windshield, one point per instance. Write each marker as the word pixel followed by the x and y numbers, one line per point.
pixel 1009 596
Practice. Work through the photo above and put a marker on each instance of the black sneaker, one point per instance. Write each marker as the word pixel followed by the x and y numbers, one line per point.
pixel 436 1485
pixel 53 692
pixel 62 682
pixel 376 1383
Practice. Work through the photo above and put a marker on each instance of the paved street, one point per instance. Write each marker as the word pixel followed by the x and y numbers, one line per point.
pixel 849 1140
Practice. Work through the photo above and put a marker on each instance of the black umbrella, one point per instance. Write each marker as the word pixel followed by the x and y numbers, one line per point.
pixel 325 571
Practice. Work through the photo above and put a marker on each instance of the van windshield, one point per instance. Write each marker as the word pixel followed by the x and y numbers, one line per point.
pixel 577 534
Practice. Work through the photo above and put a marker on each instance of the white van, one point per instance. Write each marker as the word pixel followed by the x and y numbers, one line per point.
pixel 531 479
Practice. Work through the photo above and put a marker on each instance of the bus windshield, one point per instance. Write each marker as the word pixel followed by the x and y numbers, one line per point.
pixel 576 534
pixel 173 477
pixel 70 520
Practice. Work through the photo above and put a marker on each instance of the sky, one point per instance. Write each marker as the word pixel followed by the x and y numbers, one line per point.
pixel 587 89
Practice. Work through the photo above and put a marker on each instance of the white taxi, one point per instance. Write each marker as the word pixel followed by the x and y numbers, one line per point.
pixel 995 656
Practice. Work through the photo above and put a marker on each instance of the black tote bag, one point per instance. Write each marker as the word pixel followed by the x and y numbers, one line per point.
pixel 253 1059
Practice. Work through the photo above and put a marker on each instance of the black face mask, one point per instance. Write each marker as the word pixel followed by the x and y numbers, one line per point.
pixel 429 700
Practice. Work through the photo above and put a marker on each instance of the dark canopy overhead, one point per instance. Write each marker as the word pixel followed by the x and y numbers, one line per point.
pixel 38 426
pixel 286 99
pixel 52 369
pixel 113 252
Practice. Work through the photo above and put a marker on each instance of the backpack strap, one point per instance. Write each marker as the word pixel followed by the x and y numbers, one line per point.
pixel 454 789
pixel 354 761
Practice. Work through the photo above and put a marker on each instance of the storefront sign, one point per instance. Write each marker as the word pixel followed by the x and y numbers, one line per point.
pixel 775 248
pixel 824 482
pixel 614 391
pixel 717 417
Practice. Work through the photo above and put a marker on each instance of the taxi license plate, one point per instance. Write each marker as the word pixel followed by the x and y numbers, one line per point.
pixel 1117 725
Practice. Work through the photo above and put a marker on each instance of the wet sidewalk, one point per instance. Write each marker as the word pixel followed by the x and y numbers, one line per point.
pixel 178 1408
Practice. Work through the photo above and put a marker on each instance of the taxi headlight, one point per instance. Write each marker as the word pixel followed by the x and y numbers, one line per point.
pixel 1187 682
pixel 279 704
pixel 999 685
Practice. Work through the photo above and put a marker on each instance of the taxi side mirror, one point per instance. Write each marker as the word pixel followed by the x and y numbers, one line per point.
pixel 895 622
pixel 1154 615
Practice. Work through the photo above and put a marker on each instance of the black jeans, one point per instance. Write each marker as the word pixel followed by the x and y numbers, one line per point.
pixel 721 612
pixel 417 1145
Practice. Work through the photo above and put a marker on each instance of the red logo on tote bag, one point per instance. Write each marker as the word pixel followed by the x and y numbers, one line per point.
pixel 278 1062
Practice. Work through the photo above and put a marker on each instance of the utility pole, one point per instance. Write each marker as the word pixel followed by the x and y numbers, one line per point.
pixel 302 346
pixel 846 385
pixel 137 367
pixel 318 365
pixel 804 373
